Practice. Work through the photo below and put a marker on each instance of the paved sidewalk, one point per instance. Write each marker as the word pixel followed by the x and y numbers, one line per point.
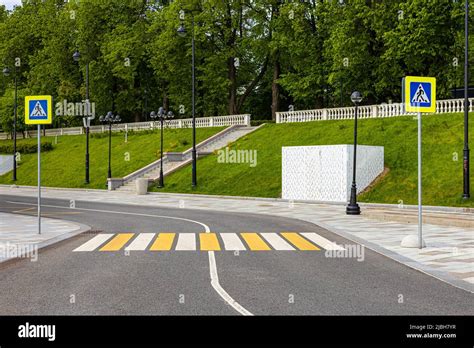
pixel 19 235
pixel 449 255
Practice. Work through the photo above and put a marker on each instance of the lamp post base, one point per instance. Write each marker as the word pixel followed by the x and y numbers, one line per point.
pixel 466 196
pixel 353 209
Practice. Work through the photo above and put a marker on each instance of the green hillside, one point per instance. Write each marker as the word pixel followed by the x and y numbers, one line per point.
pixel 442 156
pixel 64 165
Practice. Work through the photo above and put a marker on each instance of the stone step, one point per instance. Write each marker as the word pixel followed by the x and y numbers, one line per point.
pixel 208 149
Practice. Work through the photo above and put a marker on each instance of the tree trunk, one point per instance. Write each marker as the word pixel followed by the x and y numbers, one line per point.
pixel 275 86
pixel 166 101
pixel 232 87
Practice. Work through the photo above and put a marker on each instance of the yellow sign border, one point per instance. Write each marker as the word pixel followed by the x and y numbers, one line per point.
pixel 408 81
pixel 49 100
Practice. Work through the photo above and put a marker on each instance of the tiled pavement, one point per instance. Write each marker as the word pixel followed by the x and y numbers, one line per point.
pixel 19 234
pixel 448 255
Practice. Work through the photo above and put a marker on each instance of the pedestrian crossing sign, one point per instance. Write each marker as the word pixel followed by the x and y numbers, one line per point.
pixel 420 94
pixel 39 109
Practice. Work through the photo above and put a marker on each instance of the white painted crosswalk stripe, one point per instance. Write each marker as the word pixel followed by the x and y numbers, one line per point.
pixel 322 242
pixel 95 242
pixel 222 241
pixel 276 241
pixel 186 241
pixel 141 242
pixel 232 242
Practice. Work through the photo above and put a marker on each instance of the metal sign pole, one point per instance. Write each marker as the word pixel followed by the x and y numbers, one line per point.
pixel 38 111
pixel 39 179
pixel 420 222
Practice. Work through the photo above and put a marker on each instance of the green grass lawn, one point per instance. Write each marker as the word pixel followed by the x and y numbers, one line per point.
pixel 442 171
pixel 64 165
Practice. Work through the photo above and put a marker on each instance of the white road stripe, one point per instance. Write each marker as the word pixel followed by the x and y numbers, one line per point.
pixel 95 242
pixel 186 241
pixel 276 241
pixel 140 242
pixel 232 242
pixel 322 242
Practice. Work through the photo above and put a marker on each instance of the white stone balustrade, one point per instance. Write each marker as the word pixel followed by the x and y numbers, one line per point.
pixel 201 122
pixel 366 111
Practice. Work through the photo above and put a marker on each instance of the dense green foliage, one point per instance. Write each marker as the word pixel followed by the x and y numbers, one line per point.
pixel 442 159
pixel 64 165
pixel 252 56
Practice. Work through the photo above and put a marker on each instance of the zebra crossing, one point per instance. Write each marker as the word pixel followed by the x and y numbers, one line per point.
pixel 171 241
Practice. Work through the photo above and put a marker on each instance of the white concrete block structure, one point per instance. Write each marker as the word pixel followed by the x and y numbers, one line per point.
pixel 324 173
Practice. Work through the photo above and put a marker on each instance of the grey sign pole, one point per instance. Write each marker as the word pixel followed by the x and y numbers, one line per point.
pixel 39 179
pixel 420 221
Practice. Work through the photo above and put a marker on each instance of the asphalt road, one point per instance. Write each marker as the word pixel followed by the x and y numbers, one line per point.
pixel 179 282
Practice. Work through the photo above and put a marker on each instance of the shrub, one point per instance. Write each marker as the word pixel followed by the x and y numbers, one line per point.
pixel 255 123
pixel 24 148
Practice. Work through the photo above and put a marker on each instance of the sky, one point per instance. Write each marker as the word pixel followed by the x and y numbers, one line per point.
pixel 9 3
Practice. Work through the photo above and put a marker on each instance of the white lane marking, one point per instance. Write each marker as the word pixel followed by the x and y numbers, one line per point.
pixel 186 241
pixel 322 242
pixel 212 259
pixel 113 212
pixel 232 242
pixel 276 241
pixel 95 242
pixel 217 286
pixel 141 242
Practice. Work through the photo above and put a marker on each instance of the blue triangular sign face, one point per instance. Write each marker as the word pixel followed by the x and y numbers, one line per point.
pixel 38 111
pixel 420 96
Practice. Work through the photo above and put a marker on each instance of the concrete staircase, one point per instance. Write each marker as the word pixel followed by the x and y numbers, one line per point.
pixel 170 165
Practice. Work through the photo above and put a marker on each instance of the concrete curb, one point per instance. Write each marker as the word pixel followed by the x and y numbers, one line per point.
pixel 46 243
pixel 431 208
pixel 46 188
pixel 281 200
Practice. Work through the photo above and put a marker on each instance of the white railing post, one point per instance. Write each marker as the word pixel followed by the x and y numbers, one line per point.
pixel 247 120
pixel 325 114
pixel 374 113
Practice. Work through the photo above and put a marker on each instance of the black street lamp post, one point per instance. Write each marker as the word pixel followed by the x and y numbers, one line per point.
pixel 77 56
pixel 161 115
pixel 6 72
pixel 353 208
pixel 110 119
pixel 466 188
pixel 182 33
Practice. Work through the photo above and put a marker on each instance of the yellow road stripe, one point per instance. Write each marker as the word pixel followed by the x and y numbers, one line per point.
pixel 117 242
pixel 298 241
pixel 163 242
pixel 255 242
pixel 209 242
